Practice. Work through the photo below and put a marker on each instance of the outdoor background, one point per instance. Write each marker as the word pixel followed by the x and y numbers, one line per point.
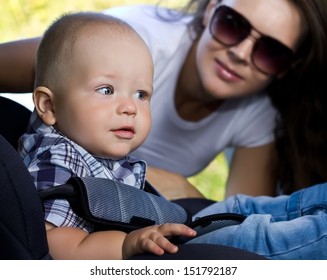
pixel 27 18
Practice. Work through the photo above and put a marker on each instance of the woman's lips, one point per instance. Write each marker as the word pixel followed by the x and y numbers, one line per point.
pixel 226 74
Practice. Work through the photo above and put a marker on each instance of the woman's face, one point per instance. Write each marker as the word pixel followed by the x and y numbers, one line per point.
pixel 229 71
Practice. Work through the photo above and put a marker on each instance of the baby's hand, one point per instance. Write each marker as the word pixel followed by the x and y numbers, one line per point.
pixel 154 239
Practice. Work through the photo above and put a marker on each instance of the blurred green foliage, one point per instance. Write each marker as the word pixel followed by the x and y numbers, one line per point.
pixel 211 181
pixel 27 18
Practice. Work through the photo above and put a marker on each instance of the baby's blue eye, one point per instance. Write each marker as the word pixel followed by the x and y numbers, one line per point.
pixel 140 95
pixel 107 90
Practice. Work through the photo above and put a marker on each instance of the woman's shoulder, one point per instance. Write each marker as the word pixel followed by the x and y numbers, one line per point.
pixel 154 23
pixel 143 14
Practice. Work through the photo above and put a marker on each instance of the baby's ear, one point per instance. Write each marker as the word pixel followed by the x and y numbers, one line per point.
pixel 44 104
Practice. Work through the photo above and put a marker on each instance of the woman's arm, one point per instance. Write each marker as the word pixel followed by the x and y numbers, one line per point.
pixel 171 185
pixel 17 59
pixel 252 171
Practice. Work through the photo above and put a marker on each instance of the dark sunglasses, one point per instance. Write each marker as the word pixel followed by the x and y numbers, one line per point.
pixel 230 28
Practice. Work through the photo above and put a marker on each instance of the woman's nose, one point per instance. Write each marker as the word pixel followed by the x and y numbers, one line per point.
pixel 242 52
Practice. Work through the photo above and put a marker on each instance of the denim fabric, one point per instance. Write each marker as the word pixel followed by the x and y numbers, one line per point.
pixel 283 227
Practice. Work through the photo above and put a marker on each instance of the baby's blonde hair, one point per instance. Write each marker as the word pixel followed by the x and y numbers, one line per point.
pixel 57 46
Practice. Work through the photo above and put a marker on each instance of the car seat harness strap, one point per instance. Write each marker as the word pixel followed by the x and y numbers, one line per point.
pixel 113 205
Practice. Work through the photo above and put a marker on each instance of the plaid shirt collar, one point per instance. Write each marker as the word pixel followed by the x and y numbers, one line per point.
pixel 128 169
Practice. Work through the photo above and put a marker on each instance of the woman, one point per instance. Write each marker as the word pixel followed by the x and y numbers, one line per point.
pixel 211 71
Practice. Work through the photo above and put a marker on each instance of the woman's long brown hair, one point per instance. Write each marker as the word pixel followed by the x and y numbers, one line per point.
pixel 300 98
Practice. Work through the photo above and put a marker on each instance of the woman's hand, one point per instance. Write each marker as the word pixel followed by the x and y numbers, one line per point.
pixel 252 171
pixel 154 239
pixel 171 185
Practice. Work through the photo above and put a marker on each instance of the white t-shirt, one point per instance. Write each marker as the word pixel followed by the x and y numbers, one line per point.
pixel 183 146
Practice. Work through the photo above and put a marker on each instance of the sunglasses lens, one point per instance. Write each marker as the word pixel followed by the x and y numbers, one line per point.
pixel 270 56
pixel 228 27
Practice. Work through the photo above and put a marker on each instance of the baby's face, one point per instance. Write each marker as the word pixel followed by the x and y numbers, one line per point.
pixel 106 105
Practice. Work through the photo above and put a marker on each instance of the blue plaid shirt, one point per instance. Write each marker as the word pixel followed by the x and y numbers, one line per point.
pixel 52 159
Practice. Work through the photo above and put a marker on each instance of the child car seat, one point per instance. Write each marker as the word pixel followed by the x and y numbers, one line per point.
pixel 14 119
pixel 22 230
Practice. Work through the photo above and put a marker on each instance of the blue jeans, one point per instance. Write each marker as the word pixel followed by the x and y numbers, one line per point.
pixel 283 227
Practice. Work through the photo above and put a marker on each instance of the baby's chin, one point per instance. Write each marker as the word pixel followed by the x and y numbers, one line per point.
pixel 114 151
pixel 112 155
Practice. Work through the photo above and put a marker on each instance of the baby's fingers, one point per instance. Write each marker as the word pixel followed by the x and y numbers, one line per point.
pixel 158 244
pixel 176 230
